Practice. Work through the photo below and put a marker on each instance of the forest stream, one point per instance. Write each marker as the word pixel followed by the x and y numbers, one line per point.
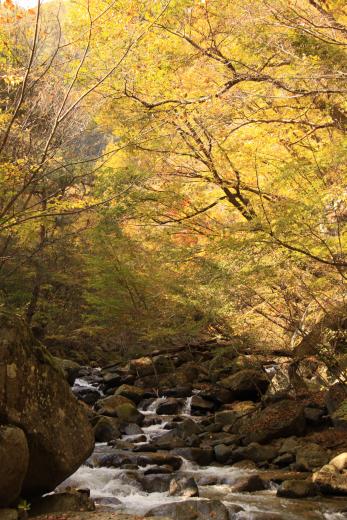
pixel 144 489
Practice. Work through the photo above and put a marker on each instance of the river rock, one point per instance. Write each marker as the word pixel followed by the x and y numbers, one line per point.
pixel 280 419
pixel 62 503
pixel 108 405
pixel 311 457
pixel 201 456
pixel 35 396
pixel 14 457
pixel 187 428
pixel 184 487
pixel 156 483
pixel 192 510
pixel 248 484
pixel 107 429
pixel 119 406
pixel 169 440
pixel 256 452
pixel 247 384
pixel 201 405
pixel 159 459
pixel 87 395
pixel 329 481
pixel 181 391
pixel 133 429
pixel 134 393
pixel 296 489
pixel 170 406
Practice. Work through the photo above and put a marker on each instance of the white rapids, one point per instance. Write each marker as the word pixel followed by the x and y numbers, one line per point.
pixel 120 489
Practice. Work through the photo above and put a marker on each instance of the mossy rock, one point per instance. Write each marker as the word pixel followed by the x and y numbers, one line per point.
pixel 129 414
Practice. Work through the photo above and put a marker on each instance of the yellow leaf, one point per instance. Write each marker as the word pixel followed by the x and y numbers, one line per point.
pixel 9 5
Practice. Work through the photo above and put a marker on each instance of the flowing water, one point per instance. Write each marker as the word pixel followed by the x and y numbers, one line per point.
pixel 121 489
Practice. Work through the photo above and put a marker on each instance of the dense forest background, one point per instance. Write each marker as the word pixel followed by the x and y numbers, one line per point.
pixel 174 170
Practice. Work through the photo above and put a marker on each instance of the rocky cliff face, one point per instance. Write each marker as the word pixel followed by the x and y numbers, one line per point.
pixel 36 399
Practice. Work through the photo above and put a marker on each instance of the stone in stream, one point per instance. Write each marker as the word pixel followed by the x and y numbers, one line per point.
pixel 133 429
pixel 330 481
pixel 170 406
pixel 187 428
pixel 56 426
pixel 201 456
pixel 14 457
pixel 134 393
pixel 169 441
pixel 246 384
pixel 159 470
pixel 160 459
pixel 62 503
pixel 296 489
pixel 284 460
pixel 224 454
pixel 87 395
pixel 201 405
pixel 248 484
pixel 121 407
pixel 183 487
pixel 156 483
pixel 181 391
pixel 198 509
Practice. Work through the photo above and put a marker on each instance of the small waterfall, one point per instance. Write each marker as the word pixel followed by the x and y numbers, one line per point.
pixel 187 409
pixel 152 408
pixel 82 383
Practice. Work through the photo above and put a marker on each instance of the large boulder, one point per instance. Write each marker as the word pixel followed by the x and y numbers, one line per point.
pixel 14 457
pixel 247 384
pixel 281 419
pixel 35 396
